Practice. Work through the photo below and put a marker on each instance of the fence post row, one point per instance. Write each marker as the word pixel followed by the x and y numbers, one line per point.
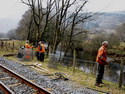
pixel 74 54
pixel 121 72
pixel 7 45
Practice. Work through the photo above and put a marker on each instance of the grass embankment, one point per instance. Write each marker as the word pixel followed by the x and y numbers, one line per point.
pixel 77 77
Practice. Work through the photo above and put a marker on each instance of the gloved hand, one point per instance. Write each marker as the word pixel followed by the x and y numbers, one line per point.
pixel 107 62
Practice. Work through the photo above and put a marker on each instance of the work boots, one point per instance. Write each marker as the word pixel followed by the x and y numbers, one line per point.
pixel 101 83
pixel 98 84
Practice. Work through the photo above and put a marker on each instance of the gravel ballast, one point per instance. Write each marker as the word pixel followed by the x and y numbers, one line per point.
pixel 56 86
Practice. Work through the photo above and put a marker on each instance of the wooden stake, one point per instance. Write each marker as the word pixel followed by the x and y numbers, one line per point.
pixel 13 47
pixel 74 61
pixel 49 50
pixel 121 72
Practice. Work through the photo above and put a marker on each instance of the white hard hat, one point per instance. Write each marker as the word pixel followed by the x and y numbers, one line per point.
pixel 27 40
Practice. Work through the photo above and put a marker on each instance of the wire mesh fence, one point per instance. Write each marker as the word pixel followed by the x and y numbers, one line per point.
pixel 25 54
pixel 21 53
pixel 112 70
pixel 9 46
pixel 53 61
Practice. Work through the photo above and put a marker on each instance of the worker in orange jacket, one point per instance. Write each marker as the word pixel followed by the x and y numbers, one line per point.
pixel 101 59
pixel 39 48
pixel 42 52
pixel 27 45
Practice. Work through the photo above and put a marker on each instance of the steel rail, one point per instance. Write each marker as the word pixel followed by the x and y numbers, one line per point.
pixel 5 89
pixel 26 81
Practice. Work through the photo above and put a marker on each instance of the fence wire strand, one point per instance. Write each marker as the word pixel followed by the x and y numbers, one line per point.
pixel 112 71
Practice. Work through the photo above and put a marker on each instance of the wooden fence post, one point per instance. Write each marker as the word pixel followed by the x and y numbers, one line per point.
pixel 49 50
pixel 121 72
pixel 32 53
pixel 6 46
pixel 9 46
pixel 13 47
pixel 2 44
pixel 95 68
pixel 74 61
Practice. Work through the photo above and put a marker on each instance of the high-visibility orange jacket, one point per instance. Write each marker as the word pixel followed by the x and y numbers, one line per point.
pixel 27 46
pixel 39 48
pixel 43 48
pixel 101 56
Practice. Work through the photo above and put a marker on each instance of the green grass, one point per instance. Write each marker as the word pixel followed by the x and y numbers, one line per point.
pixel 79 77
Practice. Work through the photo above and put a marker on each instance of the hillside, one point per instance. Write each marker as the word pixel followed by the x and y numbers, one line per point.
pixel 7 24
pixel 106 21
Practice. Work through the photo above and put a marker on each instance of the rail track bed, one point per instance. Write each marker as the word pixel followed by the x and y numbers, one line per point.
pixel 4 89
pixel 42 81
pixel 18 83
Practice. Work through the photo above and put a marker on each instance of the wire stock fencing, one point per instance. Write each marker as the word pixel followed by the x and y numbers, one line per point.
pixel 112 72
pixel 21 53
pixel 8 46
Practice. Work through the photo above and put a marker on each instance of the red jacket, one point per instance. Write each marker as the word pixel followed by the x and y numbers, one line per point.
pixel 101 56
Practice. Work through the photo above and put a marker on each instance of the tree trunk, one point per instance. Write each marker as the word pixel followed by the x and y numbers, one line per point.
pixel 38 32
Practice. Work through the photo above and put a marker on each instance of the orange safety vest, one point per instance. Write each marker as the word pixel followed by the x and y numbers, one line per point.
pixel 101 56
pixel 38 48
pixel 43 48
pixel 27 46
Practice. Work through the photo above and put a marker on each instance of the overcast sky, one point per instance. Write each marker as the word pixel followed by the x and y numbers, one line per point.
pixel 106 5
pixel 14 9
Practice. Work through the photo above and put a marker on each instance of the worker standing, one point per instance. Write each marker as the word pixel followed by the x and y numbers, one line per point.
pixel 27 45
pixel 42 52
pixel 39 48
pixel 101 59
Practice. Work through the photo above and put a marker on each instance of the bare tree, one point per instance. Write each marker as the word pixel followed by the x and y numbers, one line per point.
pixel 62 20
pixel 48 16
pixel 26 26
pixel 77 17
pixel 66 14
pixel 39 12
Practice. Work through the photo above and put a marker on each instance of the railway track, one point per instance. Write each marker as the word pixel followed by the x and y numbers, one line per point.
pixel 54 86
pixel 18 84
pixel 4 89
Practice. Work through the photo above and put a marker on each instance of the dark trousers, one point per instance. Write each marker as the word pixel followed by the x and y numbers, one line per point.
pixel 42 57
pixel 100 72
pixel 38 55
